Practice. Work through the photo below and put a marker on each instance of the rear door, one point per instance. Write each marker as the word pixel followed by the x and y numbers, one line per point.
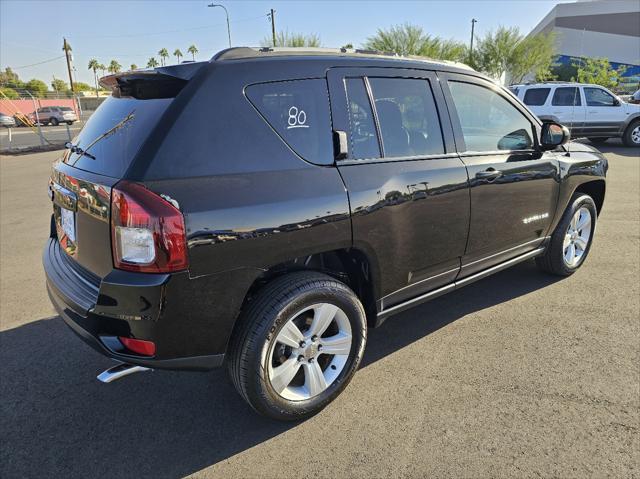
pixel 513 185
pixel 407 187
pixel 567 106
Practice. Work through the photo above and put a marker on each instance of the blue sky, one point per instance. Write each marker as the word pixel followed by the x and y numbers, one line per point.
pixel 133 31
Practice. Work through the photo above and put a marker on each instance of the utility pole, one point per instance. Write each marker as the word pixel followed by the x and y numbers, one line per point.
pixel 272 16
pixel 67 53
pixel 473 24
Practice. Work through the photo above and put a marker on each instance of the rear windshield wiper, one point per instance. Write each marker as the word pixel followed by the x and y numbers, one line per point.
pixel 76 149
pixel 109 132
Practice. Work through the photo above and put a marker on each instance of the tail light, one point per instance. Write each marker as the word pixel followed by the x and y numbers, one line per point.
pixel 147 232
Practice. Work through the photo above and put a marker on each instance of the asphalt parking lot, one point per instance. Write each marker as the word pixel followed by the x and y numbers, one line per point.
pixel 519 375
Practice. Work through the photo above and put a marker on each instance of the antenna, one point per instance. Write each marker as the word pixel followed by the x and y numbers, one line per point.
pixel 575 92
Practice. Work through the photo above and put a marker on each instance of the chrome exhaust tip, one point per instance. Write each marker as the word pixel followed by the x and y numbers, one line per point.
pixel 119 371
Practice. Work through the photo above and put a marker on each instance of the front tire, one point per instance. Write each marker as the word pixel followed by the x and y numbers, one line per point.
pixel 631 135
pixel 297 346
pixel 571 241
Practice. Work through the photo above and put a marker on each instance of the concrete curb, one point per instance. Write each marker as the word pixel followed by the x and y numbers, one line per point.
pixel 23 150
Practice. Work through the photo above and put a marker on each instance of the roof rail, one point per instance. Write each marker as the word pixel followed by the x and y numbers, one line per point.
pixel 257 52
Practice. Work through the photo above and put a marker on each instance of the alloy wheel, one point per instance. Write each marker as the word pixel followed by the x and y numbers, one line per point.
pixel 310 352
pixel 635 135
pixel 576 238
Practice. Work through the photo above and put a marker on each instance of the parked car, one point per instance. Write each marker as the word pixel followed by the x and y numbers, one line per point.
pixel 635 98
pixel 7 120
pixel 54 115
pixel 589 111
pixel 325 193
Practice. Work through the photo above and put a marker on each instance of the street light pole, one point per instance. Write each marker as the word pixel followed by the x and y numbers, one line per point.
pixel 227 14
pixel 473 24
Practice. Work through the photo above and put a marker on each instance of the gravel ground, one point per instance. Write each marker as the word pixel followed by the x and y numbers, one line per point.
pixel 519 375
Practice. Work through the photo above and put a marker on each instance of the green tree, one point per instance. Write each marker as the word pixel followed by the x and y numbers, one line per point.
pixel 114 67
pixel 102 68
pixel 599 72
pixel 348 46
pixel 10 79
pixel 410 39
pixel 81 86
pixel 36 87
pixel 178 54
pixel 94 66
pixel 506 50
pixel 9 93
pixel 133 67
pixel 164 54
pixel 59 85
pixel 194 51
pixel 286 39
pixel 152 63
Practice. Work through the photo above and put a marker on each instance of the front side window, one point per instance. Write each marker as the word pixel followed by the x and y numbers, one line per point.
pixel 407 117
pixel 566 96
pixel 363 138
pixel 536 96
pixel 598 97
pixel 298 110
pixel 488 121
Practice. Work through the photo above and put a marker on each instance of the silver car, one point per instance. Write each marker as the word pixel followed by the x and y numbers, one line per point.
pixel 54 115
pixel 6 120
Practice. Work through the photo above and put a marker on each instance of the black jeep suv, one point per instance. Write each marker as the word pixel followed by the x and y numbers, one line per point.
pixel 263 209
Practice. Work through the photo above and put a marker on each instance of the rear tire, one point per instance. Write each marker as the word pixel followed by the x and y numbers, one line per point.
pixel 631 135
pixel 571 241
pixel 54 122
pixel 277 330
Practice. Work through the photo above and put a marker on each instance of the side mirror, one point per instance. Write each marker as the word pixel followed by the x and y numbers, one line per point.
pixel 553 135
pixel 340 144
pixel 616 102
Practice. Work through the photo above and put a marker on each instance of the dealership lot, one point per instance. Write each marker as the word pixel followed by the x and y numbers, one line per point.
pixel 521 374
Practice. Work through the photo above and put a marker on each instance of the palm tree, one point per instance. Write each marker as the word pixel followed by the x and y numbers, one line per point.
pixel 163 54
pixel 193 50
pixel 152 63
pixel 178 54
pixel 114 67
pixel 94 65
pixel 102 68
pixel 133 66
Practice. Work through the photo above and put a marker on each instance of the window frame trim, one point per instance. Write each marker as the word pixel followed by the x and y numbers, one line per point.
pixel 339 108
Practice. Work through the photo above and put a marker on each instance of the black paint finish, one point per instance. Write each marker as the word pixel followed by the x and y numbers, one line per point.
pixel 253 208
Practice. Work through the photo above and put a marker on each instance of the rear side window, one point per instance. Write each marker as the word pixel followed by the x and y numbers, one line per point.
pixel 407 117
pixel 362 129
pixel 114 134
pixel 566 96
pixel 536 96
pixel 298 111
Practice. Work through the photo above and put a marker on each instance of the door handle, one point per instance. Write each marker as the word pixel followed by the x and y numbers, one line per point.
pixel 489 174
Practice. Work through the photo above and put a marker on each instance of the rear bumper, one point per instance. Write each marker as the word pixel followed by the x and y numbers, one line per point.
pixel 123 304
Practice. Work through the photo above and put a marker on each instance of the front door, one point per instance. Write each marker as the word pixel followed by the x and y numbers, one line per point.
pixel 407 187
pixel 513 184
pixel 604 115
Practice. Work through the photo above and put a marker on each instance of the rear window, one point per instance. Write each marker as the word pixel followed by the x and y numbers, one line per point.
pixel 298 111
pixel 114 134
pixel 536 96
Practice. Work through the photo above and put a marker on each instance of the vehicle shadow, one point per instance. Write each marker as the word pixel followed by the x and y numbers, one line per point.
pixel 57 420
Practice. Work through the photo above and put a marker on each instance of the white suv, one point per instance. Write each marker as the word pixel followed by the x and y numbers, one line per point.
pixel 589 111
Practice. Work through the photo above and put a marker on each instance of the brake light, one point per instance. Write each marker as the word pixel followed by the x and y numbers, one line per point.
pixel 147 232
pixel 139 346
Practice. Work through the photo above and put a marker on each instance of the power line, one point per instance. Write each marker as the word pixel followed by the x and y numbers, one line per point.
pixel 39 63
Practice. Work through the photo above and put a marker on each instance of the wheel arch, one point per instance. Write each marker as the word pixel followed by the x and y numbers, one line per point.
pixel 596 190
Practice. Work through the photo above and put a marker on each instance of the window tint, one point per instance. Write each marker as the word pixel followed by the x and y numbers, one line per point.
pixel 566 96
pixel 536 96
pixel 129 122
pixel 598 97
pixel 488 121
pixel 363 137
pixel 298 111
pixel 408 117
